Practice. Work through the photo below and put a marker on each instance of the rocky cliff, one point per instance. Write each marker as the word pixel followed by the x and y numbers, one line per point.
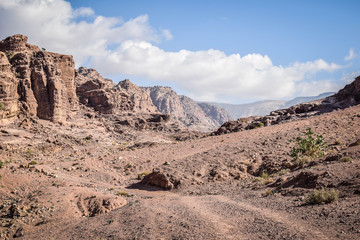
pixel 8 91
pixel 45 85
pixel 193 115
pixel 105 97
pixel 44 81
pixel 348 96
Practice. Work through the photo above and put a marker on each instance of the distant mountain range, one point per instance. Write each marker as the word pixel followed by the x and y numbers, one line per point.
pixel 261 108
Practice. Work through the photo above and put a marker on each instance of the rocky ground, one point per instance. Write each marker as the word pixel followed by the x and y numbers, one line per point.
pixel 82 180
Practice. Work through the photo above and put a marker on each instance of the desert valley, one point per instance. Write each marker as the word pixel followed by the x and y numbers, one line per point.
pixel 84 158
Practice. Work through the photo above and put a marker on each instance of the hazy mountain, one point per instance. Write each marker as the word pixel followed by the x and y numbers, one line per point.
pixel 261 108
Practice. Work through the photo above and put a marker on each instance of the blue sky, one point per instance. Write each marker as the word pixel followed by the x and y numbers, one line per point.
pixel 226 51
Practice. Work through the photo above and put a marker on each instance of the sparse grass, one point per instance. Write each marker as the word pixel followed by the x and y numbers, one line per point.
pixel 123 193
pixel 338 142
pixel 346 159
pixel 111 189
pixel 269 192
pixel 301 160
pixel 322 196
pixel 32 162
pixel 264 176
pixel 307 148
pixel 129 165
pixel 2 106
pixel 281 172
pixel 142 175
pixel 3 163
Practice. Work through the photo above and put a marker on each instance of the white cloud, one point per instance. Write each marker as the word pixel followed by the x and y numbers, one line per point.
pixel 167 34
pixel 52 24
pixel 114 46
pixel 211 74
pixel 351 55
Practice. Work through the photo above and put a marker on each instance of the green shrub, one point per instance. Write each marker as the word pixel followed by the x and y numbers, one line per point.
pixel 308 147
pixel 32 162
pixel 123 193
pixel 323 195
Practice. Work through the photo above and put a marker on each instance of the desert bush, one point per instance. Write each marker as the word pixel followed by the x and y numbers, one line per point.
pixel 123 193
pixel 32 162
pixel 264 175
pixel 338 142
pixel 323 195
pixel 2 106
pixel 346 159
pixel 308 147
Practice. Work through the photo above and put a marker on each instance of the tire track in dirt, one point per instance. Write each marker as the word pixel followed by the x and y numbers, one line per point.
pixel 229 225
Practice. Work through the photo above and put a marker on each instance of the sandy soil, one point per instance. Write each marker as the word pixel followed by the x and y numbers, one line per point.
pixel 81 181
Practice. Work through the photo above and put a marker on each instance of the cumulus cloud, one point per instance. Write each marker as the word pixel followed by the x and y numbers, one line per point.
pixel 53 24
pixel 114 46
pixel 212 75
pixel 351 55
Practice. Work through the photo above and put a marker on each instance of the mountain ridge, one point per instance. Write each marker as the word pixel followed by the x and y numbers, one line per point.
pixel 264 107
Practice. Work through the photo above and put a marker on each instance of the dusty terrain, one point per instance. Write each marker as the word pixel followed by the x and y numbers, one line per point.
pixel 80 181
pixel 84 158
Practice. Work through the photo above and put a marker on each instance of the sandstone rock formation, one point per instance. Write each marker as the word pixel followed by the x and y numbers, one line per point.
pixel 187 111
pixel 107 98
pixel 8 91
pixel 45 80
pixel 348 96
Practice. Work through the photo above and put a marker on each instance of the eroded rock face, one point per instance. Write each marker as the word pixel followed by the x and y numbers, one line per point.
pixel 107 98
pixel 8 91
pixel 45 80
pixel 185 110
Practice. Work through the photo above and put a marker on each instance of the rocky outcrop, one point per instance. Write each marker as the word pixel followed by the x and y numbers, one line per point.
pixel 348 96
pixel 217 114
pixel 105 97
pixel 160 179
pixel 140 99
pixel 185 110
pixel 8 91
pixel 44 80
